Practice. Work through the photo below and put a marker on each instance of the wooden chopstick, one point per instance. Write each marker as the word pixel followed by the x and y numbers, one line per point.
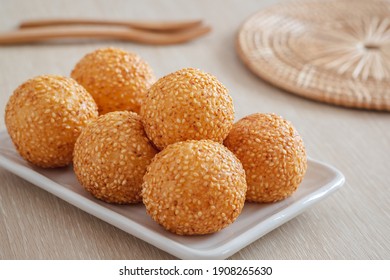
pixel 39 34
pixel 160 26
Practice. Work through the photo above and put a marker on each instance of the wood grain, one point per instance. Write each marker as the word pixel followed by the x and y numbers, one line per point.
pixel 351 224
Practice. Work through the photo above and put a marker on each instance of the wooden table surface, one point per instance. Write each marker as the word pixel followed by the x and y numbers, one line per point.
pixel 353 223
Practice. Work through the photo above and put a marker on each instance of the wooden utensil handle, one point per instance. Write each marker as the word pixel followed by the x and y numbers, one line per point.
pixel 145 25
pixel 139 36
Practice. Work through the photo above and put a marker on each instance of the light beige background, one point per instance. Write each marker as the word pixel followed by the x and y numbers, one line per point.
pixel 354 223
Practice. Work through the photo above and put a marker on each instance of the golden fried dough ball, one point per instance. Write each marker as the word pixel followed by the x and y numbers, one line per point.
pixel 116 79
pixel 187 105
pixel 272 153
pixel 44 117
pixel 194 187
pixel 111 156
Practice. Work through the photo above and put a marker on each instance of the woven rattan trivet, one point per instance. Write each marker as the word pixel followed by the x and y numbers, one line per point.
pixel 335 51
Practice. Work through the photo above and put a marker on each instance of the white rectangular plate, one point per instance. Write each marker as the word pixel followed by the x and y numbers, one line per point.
pixel 255 220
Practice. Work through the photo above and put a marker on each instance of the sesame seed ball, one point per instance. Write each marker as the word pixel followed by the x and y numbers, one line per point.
pixel 45 115
pixel 111 156
pixel 116 79
pixel 187 105
pixel 194 187
pixel 272 153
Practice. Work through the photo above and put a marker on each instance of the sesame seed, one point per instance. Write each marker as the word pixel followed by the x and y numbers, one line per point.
pixel 117 176
pixel 269 148
pixel 43 136
pixel 117 80
pixel 188 193
pixel 174 111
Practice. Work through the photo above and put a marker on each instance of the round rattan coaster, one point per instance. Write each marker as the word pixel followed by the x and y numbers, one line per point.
pixel 334 51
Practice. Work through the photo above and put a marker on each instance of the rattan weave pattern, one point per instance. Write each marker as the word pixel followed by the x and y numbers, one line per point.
pixel 334 51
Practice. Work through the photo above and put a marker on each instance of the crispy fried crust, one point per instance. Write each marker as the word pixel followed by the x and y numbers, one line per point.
pixel 44 117
pixel 116 79
pixel 272 153
pixel 194 187
pixel 111 156
pixel 187 105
